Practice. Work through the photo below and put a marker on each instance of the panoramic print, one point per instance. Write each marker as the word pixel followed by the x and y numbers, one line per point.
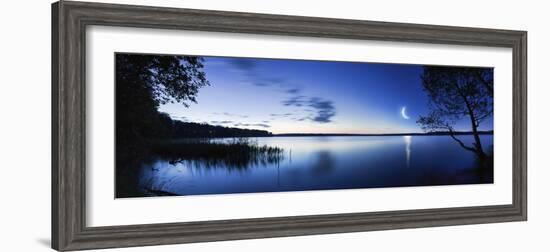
pixel 196 125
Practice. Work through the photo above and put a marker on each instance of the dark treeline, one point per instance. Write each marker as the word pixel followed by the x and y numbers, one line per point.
pixel 178 129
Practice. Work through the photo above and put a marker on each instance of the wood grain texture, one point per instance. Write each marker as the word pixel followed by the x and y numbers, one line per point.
pixel 69 20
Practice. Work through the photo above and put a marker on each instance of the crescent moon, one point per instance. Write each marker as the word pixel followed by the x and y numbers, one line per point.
pixel 404 113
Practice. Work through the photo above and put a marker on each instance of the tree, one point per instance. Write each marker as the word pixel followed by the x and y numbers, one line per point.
pixel 458 93
pixel 143 82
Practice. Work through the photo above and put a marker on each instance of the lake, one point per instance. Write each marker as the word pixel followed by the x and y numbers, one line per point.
pixel 326 162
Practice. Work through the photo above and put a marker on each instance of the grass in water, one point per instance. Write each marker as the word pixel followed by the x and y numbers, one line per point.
pixel 238 153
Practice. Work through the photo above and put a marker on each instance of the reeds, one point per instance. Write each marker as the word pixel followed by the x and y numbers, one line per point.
pixel 230 153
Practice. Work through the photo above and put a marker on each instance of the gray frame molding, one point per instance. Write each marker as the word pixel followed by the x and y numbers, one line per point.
pixel 69 20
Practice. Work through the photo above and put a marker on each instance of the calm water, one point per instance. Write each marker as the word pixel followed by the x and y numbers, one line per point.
pixel 316 163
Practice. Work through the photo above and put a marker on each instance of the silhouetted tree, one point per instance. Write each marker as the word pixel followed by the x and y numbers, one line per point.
pixel 143 82
pixel 456 93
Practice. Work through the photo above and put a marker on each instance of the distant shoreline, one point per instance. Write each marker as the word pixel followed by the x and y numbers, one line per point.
pixel 384 134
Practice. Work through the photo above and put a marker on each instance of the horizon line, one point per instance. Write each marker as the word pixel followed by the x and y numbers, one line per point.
pixel 381 134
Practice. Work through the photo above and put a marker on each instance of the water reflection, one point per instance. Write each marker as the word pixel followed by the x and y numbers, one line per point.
pixel 234 162
pixel 228 153
pixel 408 140
pixel 324 164
pixel 317 163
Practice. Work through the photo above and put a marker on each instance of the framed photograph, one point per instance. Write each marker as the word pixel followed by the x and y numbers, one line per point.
pixel 177 125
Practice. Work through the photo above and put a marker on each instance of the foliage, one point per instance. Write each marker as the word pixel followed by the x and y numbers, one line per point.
pixel 143 82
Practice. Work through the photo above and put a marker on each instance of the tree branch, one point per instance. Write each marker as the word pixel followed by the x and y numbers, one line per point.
pixel 460 142
pixel 482 117
pixel 486 83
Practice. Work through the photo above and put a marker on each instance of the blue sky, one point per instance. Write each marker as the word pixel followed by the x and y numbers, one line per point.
pixel 300 96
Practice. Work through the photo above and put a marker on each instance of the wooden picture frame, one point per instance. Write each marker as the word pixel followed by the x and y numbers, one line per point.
pixel 69 20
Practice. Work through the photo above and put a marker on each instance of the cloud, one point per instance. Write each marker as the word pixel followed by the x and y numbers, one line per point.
pixel 263 125
pixel 231 114
pixel 293 91
pixel 264 82
pixel 302 119
pixel 260 83
pixel 243 64
pixel 249 67
pixel 297 101
pixel 323 110
pixel 281 115
pixel 275 80
pixel 221 122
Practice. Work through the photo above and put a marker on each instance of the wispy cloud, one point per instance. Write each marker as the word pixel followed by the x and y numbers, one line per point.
pixel 300 119
pixel 292 91
pixel 280 115
pixel 319 109
pixel 323 109
pixel 221 122
pixel 249 67
pixel 263 125
pixel 243 64
pixel 296 101
pixel 230 114
pixel 276 80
